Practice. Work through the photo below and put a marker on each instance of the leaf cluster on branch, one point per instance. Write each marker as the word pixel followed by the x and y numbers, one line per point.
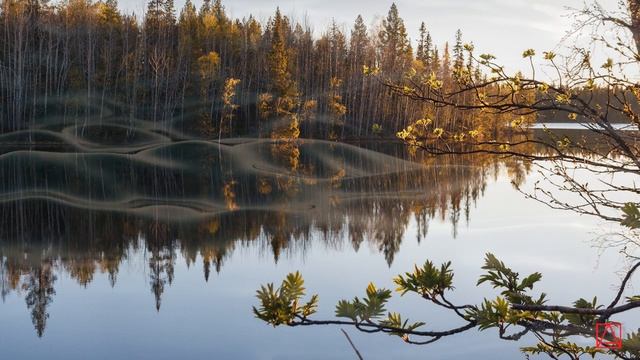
pixel 514 313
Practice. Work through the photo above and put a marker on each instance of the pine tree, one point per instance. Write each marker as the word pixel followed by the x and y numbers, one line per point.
pixel 395 49
pixel 206 7
pixel 359 40
pixel 421 53
pixel 278 57
pixel 338 50
pixel 446 63
pixel 435 61
pixel 458 52
pixel 169 12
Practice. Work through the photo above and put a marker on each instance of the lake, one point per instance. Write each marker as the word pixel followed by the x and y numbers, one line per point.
pixel 577 126
pixel 141 244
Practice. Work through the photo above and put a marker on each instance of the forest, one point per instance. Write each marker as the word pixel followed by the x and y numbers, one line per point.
pixel 210 75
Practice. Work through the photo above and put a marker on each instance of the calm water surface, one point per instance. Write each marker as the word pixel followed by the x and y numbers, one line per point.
pixel 141 244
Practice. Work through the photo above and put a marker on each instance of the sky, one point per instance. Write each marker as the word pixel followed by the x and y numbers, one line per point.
pixel 504 28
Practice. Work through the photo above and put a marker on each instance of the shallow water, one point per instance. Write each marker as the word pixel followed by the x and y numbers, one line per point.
pixel 150 244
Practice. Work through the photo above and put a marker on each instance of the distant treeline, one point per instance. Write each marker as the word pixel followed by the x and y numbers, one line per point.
pixel 208 72
pixel 209 75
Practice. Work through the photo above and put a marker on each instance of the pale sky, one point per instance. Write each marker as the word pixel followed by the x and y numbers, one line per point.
pixel 503 28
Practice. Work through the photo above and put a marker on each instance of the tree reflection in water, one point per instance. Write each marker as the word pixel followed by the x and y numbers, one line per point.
pixel 279 199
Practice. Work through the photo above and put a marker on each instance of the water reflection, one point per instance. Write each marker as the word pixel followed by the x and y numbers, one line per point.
pixel 80 213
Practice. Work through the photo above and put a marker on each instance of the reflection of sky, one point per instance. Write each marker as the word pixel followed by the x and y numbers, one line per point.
pixel 214 319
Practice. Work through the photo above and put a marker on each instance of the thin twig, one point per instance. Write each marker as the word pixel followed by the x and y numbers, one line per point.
pixel 352 345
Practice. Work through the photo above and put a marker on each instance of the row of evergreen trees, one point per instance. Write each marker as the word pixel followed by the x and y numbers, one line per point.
pixel 208 73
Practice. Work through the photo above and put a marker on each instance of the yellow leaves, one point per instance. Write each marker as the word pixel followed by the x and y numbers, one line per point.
pixel 310 105
pixel 504 147
pixel 264 105
pixel 438 132
pixel 487 57
pixel 402 135
pixel 366 70
pixel 294 158
pixel 107 14
pixel 459 137
pixel 308 110
pixel 336 179
pixel 294 128
pixel 376 129
pixel 572 116
pixel 338 109
pixel 636 91
pixel 549 55
pixel 210 22
pixel 229 92
pixel 264 186
pixel 433 81
pixel 518 122
pixel 564 143
pixel 516 81
pixel 468 47
pixel 406 90
pixel 213 226
pixel 562 98
pixel 529 53
pixel 230 195
pixel 208 65
pixel 474 134
pixel 423 122
pixel 590 84
pixel 286 105
pixel 462 74
pixel 627 109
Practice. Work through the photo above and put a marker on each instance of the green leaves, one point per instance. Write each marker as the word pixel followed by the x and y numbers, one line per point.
pixel 375 302
pixel 281 306
pixel 372 307
pixel 631 345
pixel 394 320
pixel 633 298
pixel 557 349
pixel 491 313
pixel 583 320
pixel 631 217
pixel 293 285
pixel 368 308
pixel 427 281
pixel 368 313
pixel 500 276
pixel 348 309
